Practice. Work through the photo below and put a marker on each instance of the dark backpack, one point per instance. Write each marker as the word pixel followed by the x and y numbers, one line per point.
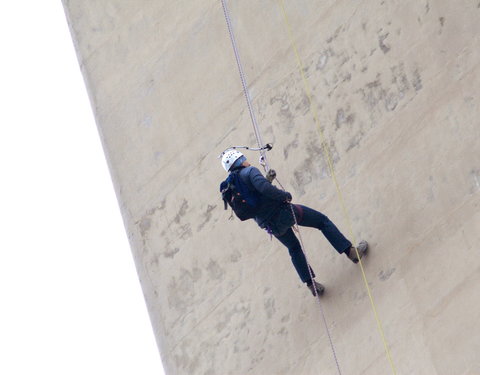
pixel 236 194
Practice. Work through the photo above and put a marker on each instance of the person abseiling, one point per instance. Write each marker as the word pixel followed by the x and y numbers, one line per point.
pixel 251 195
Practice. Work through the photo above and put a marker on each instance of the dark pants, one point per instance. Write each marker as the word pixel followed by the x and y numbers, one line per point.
pixel 308 217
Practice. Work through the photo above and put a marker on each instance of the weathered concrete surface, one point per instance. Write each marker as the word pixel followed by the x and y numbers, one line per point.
pixel 397 87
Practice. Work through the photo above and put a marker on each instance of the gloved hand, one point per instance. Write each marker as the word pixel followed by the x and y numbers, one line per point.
pixel 271 174
pixel 288 198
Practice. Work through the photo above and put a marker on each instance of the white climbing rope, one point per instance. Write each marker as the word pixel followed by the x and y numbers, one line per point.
pixel 297 229
pixel 264 162
pixel 263 157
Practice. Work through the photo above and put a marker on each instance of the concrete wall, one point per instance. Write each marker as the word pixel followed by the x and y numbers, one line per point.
pixel 397 88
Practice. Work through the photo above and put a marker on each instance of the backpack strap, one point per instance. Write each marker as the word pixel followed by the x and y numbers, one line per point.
pixel 226 190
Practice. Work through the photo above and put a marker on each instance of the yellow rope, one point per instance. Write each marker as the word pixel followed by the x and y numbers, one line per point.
pixel 326 152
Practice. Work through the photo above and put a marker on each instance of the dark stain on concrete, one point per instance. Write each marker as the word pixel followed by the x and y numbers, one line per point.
pixel 170 253
pixel 285 114
pixel 181 212
pixel 145 224
pixel 301 180
pixel 347 77
pixel 335 35
pixel 257 358
pixel 342 117
pixel 289 146
pixel 215 272
pixel 269 305
pixel 146 221
pixel 285 318
pixel 154 261
pixel 235 256
pixel 355 140
pixel 303 107
pixel 314 166
pixel 188 361
pixel 417 80
pixel 206 216
pixel 391 101
pixel 399 78
pixel 180 291
pixel 385 275
pixel 381 42
pixel 305 173
pixel 177 232
pixel 375 83
pixel 373 93
pixel 344 58
pixel 240 347
pixel 241 312
pixel 184 231
pixel 153 210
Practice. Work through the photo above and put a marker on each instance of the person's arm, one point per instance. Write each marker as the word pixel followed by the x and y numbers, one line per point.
pixel 264 187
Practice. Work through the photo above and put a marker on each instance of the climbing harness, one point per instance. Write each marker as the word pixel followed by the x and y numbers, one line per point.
pixel 264 163
pixel 328 157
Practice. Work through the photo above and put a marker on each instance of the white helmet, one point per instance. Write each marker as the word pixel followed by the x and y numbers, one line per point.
pixel 229 157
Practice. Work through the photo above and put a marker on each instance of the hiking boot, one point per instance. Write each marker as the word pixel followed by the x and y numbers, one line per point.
pixel 361 248
pixel 318 287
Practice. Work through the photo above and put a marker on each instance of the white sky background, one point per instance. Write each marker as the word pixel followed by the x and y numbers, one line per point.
pixel 70 300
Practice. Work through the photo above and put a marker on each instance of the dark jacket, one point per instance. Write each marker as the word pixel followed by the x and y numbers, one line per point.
pixel 273 213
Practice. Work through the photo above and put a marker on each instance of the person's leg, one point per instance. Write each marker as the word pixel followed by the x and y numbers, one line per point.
pixel 308 217
pixel 298 258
